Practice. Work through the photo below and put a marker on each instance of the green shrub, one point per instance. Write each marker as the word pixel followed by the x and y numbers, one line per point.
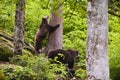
pixel 114 60
pixel 80 73
pixel 19 73
pixel 114 48
pixel 2 76
pixel 40 65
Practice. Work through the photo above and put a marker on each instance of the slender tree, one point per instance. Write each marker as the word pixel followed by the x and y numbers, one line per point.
pixel 55 38
pixel 97 40
pixel 19 27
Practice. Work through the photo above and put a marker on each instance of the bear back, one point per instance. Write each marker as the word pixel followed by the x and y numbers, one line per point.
pixel 67 58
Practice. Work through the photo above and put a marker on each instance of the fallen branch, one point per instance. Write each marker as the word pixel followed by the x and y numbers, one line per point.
pixel 27 46
pixel 8 38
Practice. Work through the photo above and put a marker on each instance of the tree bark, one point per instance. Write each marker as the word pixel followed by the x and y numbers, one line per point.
pixel 19 27
pixel 55 38
pixel 97 40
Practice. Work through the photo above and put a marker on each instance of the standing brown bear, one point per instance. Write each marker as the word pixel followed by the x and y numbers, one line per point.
pixel 68 56
pixel 42 32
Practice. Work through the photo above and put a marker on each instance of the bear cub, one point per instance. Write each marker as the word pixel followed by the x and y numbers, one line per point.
pixel 42 32
pixel 68 56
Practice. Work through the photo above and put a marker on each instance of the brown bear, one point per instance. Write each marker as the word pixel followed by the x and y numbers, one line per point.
pixel 64 56
pixel 42 32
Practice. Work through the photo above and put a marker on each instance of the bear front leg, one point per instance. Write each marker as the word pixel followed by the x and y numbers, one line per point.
pixel 38 45
pixel 71 64
pixel 53 28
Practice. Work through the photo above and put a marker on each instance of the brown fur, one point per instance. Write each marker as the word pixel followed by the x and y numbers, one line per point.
pixel 42 32
pixel 68 56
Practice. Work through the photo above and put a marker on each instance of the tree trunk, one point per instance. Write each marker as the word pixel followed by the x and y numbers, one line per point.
pixel 97 40
pixel 19 27
pixel 55 38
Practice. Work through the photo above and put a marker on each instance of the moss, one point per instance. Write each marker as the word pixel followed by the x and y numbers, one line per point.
pixel 26 52
pixel 6 32
pixel 7 42
pixel 6 47
pixel 5 52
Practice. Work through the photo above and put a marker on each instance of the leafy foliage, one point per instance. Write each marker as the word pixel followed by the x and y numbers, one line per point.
pixel 114 8
pixel 74 37
pixel 18 73
pixel 2 76
pixel 40 66
pixel 114 47
pixel 81 73
pixel 7 14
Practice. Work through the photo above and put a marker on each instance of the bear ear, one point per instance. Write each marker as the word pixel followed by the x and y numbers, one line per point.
pixel 44 19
